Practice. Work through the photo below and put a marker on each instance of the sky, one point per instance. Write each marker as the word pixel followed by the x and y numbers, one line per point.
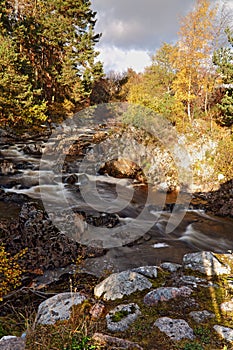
pixel 132 30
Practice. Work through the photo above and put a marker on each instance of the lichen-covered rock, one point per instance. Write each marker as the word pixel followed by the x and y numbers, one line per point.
pixel 120 318
pixel 119 284
pixel 176 329
pixel 110 342
pixel 201 316
pixel 193 281
pixel 165 294
pixel 58 307
pixel 225 332
pixel 12 343
pixel 227 306
pixel 171 267
pixel 206 263
pixel 148 271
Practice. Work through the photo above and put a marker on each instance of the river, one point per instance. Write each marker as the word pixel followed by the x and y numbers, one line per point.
pixel 24 172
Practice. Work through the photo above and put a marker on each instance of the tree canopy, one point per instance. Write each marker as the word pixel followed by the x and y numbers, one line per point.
pixel 48 61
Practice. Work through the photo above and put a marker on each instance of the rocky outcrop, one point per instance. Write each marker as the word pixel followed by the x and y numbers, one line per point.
pixel 46 247
pixel 220 202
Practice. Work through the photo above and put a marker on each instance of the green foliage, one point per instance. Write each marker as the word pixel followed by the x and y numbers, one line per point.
pixel 80 344
pixel 117 317
pixel 193 346
pixel 223 59
pixel 47 58
pixel 203 334
pixel 223 161
pixel 10 271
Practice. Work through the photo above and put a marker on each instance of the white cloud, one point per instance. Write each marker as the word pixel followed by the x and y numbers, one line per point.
pixel 118 59
pixel 131 28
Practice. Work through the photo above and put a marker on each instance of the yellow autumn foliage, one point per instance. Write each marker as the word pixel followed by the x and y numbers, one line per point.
pixel 10 271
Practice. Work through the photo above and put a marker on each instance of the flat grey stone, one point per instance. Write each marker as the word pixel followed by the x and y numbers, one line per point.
pixel 12 343
pixel 225 332
pixel 129 313
pixel 114 342
pixel 148 271
pixel 165 294
pixel 120 284
pixel 192 280
pixel 176 329
pixel 206 263
pixel 58 307
pixel 171 267
pixel 201 316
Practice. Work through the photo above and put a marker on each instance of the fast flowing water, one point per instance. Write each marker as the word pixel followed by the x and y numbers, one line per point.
pixel 27 174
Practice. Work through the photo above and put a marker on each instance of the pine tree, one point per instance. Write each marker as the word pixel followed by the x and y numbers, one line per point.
pixel 57 39
pixel 223 58
pixel 18 103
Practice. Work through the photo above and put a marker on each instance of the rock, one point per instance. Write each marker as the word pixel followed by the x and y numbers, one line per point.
pixel 97 310
pixel 58 307
pixel 176 329
pixel 227 306
pixel 192 280
pixel 225 332
pixel 206 263
pixel 165 294
pixel 148 271
pixel 12 343
pixel 201 316
pixel 119 284
pixel 6 167
pixel 120 318
pixel 114 342
pixel 33 149
pixel 171 267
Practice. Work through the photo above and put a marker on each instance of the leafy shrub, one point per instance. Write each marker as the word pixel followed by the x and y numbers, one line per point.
pixel 193 346
pixel 10 271
pixel 223 163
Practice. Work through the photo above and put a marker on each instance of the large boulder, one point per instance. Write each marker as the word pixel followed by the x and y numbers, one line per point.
pixel 120 284
pixel 58 307
pixel 206 263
